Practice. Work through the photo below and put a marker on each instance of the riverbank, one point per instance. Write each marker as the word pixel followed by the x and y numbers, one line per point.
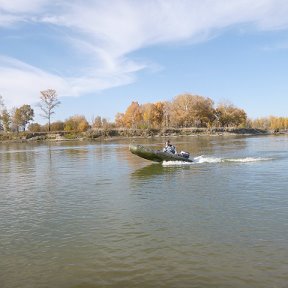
pixel 107 134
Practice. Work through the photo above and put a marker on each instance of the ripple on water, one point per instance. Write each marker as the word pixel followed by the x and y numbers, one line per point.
pixel 96 216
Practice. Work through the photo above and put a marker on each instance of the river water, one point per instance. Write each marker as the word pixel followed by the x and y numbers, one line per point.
pixel 75 215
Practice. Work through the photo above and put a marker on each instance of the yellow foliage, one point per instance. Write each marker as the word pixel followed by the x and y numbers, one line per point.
pixel 271 123
pixel 192 110
pixel 229 115
pixel 77 123
pixel 133 116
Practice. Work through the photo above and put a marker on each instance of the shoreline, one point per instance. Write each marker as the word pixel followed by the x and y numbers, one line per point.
pixel 114 134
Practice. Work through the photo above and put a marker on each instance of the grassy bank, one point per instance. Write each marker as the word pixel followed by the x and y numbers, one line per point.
pixel 104 134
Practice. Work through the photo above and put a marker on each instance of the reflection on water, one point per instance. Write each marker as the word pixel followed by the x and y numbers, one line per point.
pixel 162 172
pixel 95 215
pixel 150 171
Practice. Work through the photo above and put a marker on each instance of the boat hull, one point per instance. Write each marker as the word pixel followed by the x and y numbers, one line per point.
pixel 155 155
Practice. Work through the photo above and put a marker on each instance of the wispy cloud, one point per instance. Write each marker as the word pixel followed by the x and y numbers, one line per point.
pixel 20 81
pixel 106 32
pixel 19 6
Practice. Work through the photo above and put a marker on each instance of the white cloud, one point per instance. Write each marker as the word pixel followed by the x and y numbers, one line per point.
pixel 127 25
pixel 17 11
pixel 7 20
pixel 22 6
pixel 106 32
pixel 21 83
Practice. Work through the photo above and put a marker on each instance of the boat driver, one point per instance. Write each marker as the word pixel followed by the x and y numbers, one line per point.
pixel 169 148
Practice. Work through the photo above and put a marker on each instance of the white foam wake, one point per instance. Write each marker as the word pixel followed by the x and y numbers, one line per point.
pixel 176 163
pixel 247 159
pixel 205 159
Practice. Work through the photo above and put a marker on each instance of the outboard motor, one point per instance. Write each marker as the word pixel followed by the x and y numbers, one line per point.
pixel 185 154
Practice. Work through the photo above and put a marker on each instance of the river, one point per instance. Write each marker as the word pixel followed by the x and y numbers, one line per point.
pixel 85 215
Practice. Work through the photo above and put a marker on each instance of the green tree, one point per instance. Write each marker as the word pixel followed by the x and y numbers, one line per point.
pixel 49 101
pixel 2 107
pixel 23 116
pixel 6 120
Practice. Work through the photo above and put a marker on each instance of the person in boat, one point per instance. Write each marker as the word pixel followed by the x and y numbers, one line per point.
pixel 169 148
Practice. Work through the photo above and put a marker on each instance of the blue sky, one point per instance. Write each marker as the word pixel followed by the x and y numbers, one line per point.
pixel 101 55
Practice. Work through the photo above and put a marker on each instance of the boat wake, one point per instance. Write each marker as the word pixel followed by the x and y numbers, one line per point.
pixel 205 159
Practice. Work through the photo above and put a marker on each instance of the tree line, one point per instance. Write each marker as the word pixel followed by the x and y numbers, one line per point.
pixel 270 123
pixel 184 110
pixel 18 118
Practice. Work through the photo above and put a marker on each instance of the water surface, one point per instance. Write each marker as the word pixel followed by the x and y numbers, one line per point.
pixel 95 215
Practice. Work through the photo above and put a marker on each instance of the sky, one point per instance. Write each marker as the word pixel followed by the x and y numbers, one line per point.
pixel 100 55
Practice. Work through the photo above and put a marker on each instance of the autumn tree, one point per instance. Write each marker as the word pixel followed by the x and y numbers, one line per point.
pixel 106 124
pixel 35 127
pixel 57 126
pixel 260 123
pixel 229 115
pixel 157 114
pixel 270 123
pixel 276 123
pixel 133 115
pixel 119 120
pixel 146 111
pixel 192 110
pixel 76 123
pixel 97 122
pixel 152 114
pixel 49 101
pixel 181 110
pixel 167 107
pixel 204 112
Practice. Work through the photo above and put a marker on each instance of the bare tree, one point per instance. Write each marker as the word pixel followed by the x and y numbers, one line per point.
pixel 49 102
